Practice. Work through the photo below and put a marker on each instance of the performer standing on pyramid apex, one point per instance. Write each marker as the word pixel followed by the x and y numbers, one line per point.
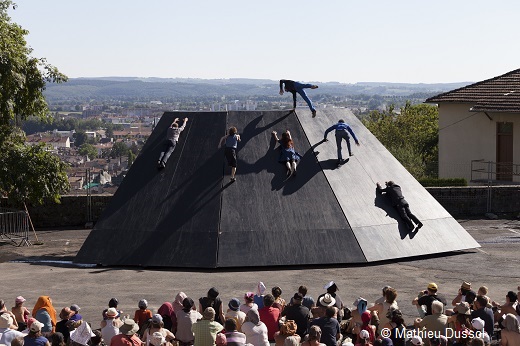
pixel 172 137
pixel 393 191
pixel 231 142
pixel 295 87
pixel 342 131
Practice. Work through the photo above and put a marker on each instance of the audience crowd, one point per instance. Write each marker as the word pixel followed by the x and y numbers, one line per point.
pixel 264 318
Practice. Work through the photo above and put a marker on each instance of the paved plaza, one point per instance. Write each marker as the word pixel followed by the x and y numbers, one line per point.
pixel 47 269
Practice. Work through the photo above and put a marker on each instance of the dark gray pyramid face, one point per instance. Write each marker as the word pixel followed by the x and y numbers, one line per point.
pixel 189 214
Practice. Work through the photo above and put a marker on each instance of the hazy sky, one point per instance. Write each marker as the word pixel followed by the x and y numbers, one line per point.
pixel 412 41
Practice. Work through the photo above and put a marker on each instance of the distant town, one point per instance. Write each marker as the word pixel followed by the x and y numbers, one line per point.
pixel 98 126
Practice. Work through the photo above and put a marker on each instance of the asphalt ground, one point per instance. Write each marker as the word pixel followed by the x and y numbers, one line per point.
pixel 47 269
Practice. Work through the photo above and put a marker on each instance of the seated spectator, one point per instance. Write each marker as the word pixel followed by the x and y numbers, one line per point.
pixel 426 298
pixel 35 338
pixel 212 300
pixel 249 303
pixel 437 322
pixel 279 302
pixel 476 342
pixel 113 303
pixel 288 328
pixel 61 326
pixel 221 339
pixel 478 326
pixel 45 313
pixel 440 341
pixel 157 339
pixel 485 313
pixel 483 291
pixel 332 288
pixel 462 308
pixel 177 306
pixel 416 341
pixel 7 334
pixel 168 315
pixel 270 316
pixel 81 334
pixel 292 341
pixel 299 314
pixel 355 320
pixel 258 298
pixel 510 335
pixel 185 320
pixel 56 339
pixel 461 295
pixel 371 330
pixel 396 326
pixel 329 327
pixel 381 310
pixel 206 330
pixel 254 329
pixel 233 336
pixel 314 338
pixel 110 326
pixel 97 339
pixel 142 315
pixel 21 313
pixel 380 300
pixel 307 300
pixel 128 336
pixel 157 326
pixel 508 307
pixel 364 339
pixel 323 303
pixel 12 317
pixel 75 312
pixel 235 313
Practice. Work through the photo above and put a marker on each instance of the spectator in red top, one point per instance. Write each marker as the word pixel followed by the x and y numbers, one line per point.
pixel 142 315
pixel 270 316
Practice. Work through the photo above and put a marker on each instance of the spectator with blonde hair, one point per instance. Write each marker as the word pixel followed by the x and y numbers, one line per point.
pixel 510 335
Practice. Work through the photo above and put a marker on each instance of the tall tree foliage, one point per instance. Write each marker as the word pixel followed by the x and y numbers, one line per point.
pixel 411 135
pixel 27 173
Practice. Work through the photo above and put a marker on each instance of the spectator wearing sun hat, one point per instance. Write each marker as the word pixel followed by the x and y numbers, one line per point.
pixel 110 326
pixel 127 336
pixel 332 288
pixel 206 330
pixel 35 338
pixel 363 339
pixel 20 312
pixel 298 313
pixel 234 312
pixel 427 297
pixel 7 334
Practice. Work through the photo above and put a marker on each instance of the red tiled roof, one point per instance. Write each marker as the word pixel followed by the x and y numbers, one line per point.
pixel 498 94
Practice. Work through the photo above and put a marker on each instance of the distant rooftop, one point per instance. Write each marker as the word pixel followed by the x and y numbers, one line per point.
pixel 498 94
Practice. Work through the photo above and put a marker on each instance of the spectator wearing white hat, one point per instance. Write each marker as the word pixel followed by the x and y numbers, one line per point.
pixel 35 338
pixel 110 326
pixel 416 340
pixel 332 288
pixel 3 310
pixel 363 339
pixel 157 339
pixel 7 334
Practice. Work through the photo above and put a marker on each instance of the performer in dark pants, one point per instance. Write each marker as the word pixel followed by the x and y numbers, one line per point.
pixel 393 192
pixel 231 142
pixel 342 131
pixel 172 137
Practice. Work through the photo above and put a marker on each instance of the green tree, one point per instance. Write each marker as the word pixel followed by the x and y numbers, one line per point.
pixel 80 138
pixel 89 150
pixel 27 173
pixel 131 158
pixel 411 135
pixel 118 149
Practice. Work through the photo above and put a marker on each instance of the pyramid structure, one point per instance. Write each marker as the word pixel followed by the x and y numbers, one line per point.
pixel 190 215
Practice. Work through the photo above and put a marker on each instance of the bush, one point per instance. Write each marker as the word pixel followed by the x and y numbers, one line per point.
pixel 442 182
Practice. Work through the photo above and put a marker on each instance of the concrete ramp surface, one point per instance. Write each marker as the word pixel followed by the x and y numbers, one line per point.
pixel 191 215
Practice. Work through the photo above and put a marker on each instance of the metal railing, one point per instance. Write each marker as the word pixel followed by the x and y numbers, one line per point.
pixel 14 227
